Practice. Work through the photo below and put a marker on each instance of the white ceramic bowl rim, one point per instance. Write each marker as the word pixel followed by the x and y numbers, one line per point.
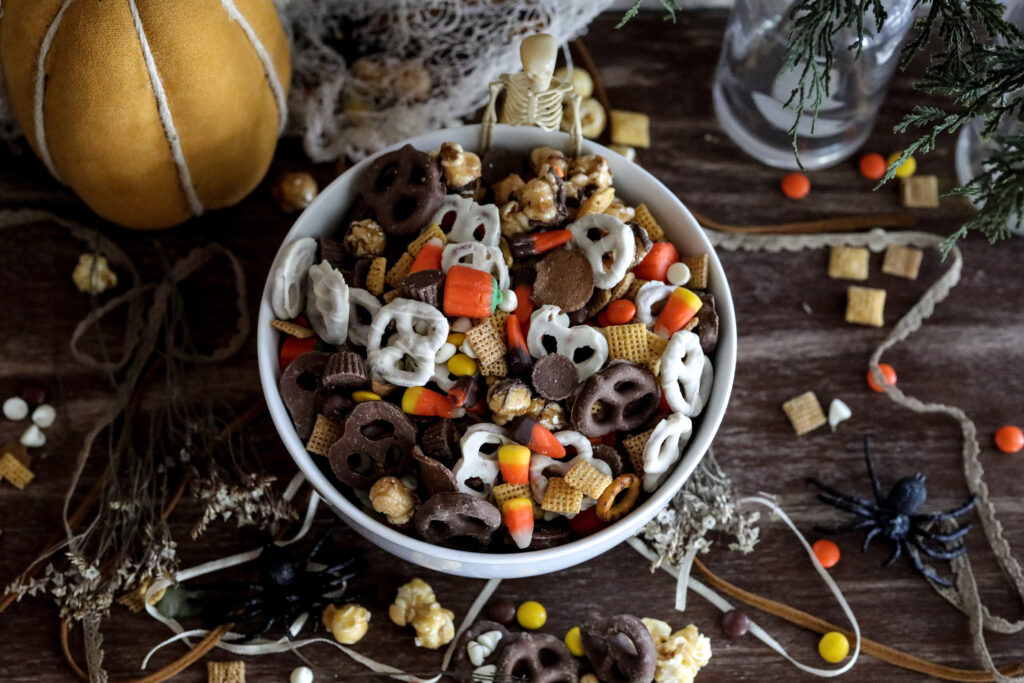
pixel 506 564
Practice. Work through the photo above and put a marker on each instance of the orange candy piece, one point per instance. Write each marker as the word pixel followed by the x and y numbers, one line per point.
pixel 1009 439
pixel 535 436
pixel 827 553
pixel 423 401
pixel 618 312
pixel 656 264
pixel 429 257
pixel 872 166
pixel 888 372
pixel 292 348
pixel 796 186
pixel 682 305
pixel 470 293
pixel 518 515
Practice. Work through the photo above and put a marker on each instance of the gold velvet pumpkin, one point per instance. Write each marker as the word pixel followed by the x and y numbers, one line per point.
pixel 151 110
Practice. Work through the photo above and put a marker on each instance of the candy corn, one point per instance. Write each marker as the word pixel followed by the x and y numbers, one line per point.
pixel 656 264
pixel 292 348
pixel 423 401
pixel 470 293
pixel 524 297
pixel 429 257
pixel 519 360
pixel 518 514
pixel 514 461
pixel 524 246
pixel 536 437
pixel 465 392
pixel 682 305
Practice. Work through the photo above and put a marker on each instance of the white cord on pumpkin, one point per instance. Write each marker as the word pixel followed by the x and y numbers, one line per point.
pixel 268 64
pixel 755 630
pixel 39 94
pixel 166 120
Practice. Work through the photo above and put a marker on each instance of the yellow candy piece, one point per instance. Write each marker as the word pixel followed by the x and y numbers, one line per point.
pixel 364 396
pixel 461 365
pixel 574 642
pixel 906 169
pixel 456 338
pixel 531 615
pixel 833 647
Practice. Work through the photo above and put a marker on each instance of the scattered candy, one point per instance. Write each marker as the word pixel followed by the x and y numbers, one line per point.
pixel 292 348
pixel 295 191
pixel 678 274
pixel 461 365
pixel 15 408
pixel 906 169
pixel 657 262
pixel 514 461
pixel 44 416
pixel 524 246
pixel 833 647
pixel 735 623
pixel 423 401
pixel 302 674
pixel 524 297
pixel 1009 439
pixel 509 301
pixel 796 185
pixel 519 360
pixel 429 257
pixel 680 307
pixel 838 412
pixel 531 615
pixel 888 375
pixel 872 166
pixel 618 312
pixel 827 552
pixel 518 516
pixel 363 396
pixel 555 377
pixel 445 353
pixel 502 611
pixel 33 437
pixel 574 642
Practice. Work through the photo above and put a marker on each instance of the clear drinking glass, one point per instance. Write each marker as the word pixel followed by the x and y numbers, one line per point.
pixel 752 85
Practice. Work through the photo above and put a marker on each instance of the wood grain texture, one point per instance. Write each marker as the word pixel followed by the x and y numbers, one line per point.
pixel 969 355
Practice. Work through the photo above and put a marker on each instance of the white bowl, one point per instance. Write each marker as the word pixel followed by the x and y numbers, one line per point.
pixel 635 185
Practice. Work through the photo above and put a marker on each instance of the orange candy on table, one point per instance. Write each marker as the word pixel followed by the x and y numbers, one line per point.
pixel 618 312
pixel 1009 439
pixel 796 186
pixel 827 553
pixel 872 166
pixel 888 372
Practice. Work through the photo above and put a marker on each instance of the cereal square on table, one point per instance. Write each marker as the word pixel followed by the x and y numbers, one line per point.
pixel 902 262
pixel 865 306
pixel 631 128
pixel 13 471
pixel 920 192
pixel 848 263
pixel 225 672
pixel 804 413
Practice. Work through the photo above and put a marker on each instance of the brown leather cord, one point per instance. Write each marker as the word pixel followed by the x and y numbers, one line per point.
pixel 840 224
pixel 875 649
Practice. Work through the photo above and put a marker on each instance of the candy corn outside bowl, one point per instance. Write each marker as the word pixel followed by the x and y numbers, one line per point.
pixel 635 185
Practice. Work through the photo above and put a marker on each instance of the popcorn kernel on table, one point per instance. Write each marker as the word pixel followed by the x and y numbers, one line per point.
pixel 416 605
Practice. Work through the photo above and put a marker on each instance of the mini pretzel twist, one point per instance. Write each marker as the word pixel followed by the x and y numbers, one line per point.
pixel 288 277
pixel 609 509
pixel 664 448
pixel 470 218
pixel 476 464
pixel 649 294
pixel 685 374
pixel 549 321
pixel 407 360
pixel 611 254
pixel 327 303
pixel 403 188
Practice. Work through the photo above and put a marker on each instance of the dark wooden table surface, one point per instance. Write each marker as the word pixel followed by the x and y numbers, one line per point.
pixel 970 355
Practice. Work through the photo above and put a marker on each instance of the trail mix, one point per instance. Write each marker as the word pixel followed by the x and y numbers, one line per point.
pixel 494 353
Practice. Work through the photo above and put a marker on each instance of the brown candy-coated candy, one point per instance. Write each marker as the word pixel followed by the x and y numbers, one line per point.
pixel 295 191
pixel 620 648
pixel 555 376
pixel 377 442
pixel 346 370
pixel 538 658
pixel 501 610
pixel 33 393
pixel 735 623
pixel 441 441
pixel 299 386
pixel 404 188
pixel 435 476
pixel 461 660
pixel 457 519
pixel 425 285
pixel 564 279
pixel 707 323
pixel 628 394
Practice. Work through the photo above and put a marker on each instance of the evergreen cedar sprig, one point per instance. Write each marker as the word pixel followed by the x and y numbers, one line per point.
pixel 671 7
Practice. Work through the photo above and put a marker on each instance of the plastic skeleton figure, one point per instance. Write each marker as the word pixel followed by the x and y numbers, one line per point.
pixel 533 97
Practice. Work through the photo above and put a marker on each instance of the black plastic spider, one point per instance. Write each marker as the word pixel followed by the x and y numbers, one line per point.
pixel 895 516
pixel 284 589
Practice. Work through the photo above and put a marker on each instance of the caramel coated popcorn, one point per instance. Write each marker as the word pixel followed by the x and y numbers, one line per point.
pixel 348 623
pixel 365 239
pixel 93 274
pixel 390 497
pixel 460 167
pixel 416 605
pixel 681 654
pixel 590 173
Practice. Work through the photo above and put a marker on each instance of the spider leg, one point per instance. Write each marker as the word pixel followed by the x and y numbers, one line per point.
pixel 925 572
pixel 855 525
pixel 897 550
pixel 847 507
pixel 839 495
pixel 876 486
pixel 938 554
pixel 870 537
pixel 340 567
pixel 938 517
pixel 943 538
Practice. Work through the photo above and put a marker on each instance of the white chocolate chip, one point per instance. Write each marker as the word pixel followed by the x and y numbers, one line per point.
pixel 467 349
pixel 476 653
pixel 678 274
pixel 33 437
pixel 302 674
pixel 446 351
pixel 489 640
pixel 837 412
pixel 509 301
pixel 15 408
pixel 44 415
pixel 482 648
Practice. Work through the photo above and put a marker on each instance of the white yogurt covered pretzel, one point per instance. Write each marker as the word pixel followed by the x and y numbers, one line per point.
pixel 327 303
pixel 479 459
pixel 649 294
pixel 477 256
pixel 407 359
pixel 288 277
pixel 473 222
pixel 608 244
pixel 359 332
pixel 549 322
pixel 685 374
pixel 664 448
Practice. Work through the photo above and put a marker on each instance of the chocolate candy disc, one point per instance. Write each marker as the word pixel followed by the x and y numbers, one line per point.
pixel 539 658
pixel 620 648
pixel 435 476
pixel 404 188
pixel 707 323
pixel 335 407
pixel 555 376
pixel 441 442
pixel 564 279
pixel 461 662
pixel 611 456
pixel 346 370
pixel 377 442
pixel 426 286
pixel 299 385
pixel 457 519
pixel 545 535
pixel 628 395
